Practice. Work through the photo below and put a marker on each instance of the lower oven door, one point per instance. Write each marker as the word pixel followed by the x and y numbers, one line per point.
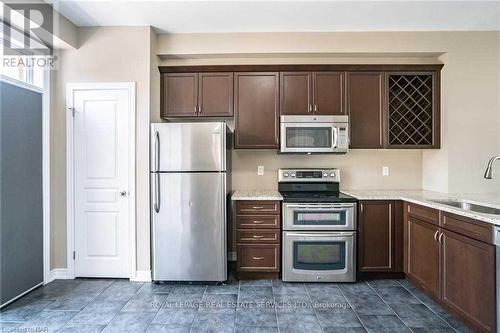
pixel 319 256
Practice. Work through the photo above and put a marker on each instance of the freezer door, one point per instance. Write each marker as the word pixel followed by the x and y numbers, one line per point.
pixel 188 147
pixel 189 226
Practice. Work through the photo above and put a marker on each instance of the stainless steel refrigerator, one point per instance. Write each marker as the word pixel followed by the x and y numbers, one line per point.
pixel 190 164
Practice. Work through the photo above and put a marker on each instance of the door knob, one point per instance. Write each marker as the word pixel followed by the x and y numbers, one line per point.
pixel 123 193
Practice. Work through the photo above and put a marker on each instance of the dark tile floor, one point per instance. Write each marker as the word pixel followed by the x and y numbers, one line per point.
pixel 96 305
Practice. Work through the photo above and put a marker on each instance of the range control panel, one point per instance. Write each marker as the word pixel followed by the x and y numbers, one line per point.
pixel 309 175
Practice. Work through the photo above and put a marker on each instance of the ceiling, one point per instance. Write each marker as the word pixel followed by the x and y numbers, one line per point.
pixel 171 16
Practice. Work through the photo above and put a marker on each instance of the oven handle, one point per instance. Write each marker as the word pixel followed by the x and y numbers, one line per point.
pixel 342 207
pixel 320 234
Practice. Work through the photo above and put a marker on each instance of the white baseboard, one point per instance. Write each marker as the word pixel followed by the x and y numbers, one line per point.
pixel 231 256
pixel 142 276
pixel 58 274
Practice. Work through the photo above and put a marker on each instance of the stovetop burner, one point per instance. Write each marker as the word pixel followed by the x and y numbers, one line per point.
pixel 311 185
pixel 316 197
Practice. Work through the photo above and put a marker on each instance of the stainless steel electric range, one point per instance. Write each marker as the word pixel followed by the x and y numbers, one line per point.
pixel 319 227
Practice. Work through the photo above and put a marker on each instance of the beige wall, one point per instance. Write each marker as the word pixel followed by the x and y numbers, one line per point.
pixel 470 106
pixel 105 55
pixel 360 169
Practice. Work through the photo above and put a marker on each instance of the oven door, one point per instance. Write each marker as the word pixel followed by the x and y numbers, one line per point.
pixel 319 256
pixel 319 216
pixel 308 138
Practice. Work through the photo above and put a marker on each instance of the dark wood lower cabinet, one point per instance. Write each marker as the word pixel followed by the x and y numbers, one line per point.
pixel 423 256
pixel 457 270
pixel 258 257
pixel 258 239
pixel 380 237
pixel 468 288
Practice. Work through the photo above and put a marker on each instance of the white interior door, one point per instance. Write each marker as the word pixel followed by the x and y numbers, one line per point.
pixel 101 127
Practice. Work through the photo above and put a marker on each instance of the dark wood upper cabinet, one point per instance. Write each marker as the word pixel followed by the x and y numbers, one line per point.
pixel 390 106
pixel 197 95
pixel 179 95
pixel 469 280
pixel 423 256
pixel 216 94
pixel 365 105
pixel 312 93
pixel 295 93
pixel 413 110
pixel 256 104
pixel 329 93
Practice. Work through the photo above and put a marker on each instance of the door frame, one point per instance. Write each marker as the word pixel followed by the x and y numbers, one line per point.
pixel 130 87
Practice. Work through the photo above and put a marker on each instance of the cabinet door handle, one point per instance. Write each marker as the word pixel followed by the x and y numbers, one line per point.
pixel 258 236
pixel 258 258
pixel 441 238
pixel 310 109
pixel 257 207
pixel 199 110
pixel 315 108
pixel 436 235
pixel 257 222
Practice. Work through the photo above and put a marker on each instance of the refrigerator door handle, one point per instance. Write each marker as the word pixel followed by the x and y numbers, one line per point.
pixel 157 193
pixel 157 151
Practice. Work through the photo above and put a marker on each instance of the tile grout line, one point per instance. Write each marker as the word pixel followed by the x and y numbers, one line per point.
pixel 275 308
pixel 93 299
pixel 390 307
pixel 198 309
pixel 128 300
pixel 161 306
pixel 314 310
pixel 352 308
pixel 422 302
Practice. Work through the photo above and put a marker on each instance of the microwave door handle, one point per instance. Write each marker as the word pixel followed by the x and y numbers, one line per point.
pixel 335 135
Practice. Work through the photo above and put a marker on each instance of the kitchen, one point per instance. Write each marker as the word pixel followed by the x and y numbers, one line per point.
pixel 382 177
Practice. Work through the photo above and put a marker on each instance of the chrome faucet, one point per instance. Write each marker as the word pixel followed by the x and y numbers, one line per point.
pixel 488 172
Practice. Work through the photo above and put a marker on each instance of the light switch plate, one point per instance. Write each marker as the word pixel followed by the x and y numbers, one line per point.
pixel 260 170
pixel 385 171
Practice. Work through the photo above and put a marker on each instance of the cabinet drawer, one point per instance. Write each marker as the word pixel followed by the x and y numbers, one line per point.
pixel 468 227
pixel 258 221
pixel 258 257
pixel 258 236
pixel 423 213
pixel 257 207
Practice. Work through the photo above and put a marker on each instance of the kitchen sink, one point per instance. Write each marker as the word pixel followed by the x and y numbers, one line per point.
pixel 469 206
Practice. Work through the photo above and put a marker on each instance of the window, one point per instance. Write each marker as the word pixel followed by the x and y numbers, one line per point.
pixel 18 71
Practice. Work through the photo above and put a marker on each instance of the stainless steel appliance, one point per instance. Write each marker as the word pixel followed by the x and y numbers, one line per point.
pixel 314 134
pixel 189 190
pixel 319 227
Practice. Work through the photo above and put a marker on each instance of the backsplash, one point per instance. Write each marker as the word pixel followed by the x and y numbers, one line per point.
pixel 359 169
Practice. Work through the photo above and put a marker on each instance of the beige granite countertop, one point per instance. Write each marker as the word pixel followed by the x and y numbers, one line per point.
pixel 256 195
pixel 425 198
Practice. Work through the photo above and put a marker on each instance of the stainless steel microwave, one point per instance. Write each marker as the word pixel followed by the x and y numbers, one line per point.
pixel 314 134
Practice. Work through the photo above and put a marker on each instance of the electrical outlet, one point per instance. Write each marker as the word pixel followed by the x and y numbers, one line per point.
pixel 385 171
pixel 260 170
